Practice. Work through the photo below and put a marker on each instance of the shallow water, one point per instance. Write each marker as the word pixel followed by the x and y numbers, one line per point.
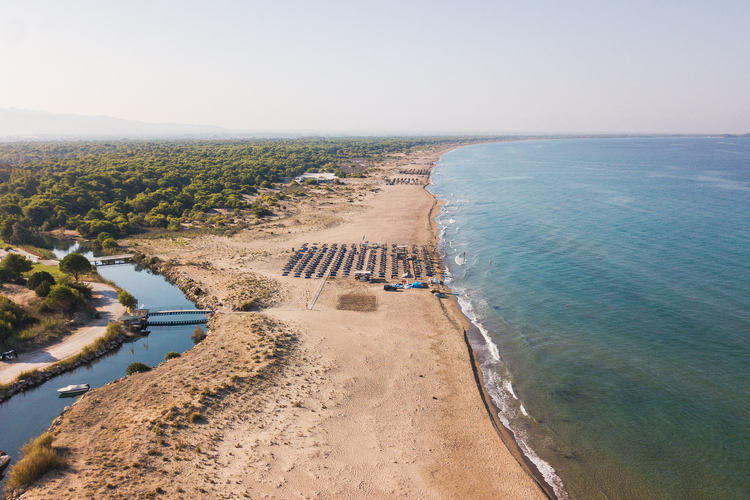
pixel 609 277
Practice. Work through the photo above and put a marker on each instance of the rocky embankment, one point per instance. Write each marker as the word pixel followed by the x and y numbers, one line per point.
pixel 34 378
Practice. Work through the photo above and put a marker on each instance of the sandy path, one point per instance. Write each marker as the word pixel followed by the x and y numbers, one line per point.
pixel 104 298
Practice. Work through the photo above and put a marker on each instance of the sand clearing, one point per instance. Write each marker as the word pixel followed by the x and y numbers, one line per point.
pixel 368 394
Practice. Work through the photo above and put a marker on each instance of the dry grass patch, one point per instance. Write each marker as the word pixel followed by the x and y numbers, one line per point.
pixel 357 302
pixel 38 459
pixel 172 418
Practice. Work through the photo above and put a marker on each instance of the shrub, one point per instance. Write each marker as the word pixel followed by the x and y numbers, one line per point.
pixel 38 459
pixel 104 236
pixel 194 417
pixel 43 289
pixel 110 244
pixel 62 298
pixel 137 367
pixel 171 355
pixel 198 336
pixel 126 299
pixel 85 289
pixel 38 278
pixel 114 330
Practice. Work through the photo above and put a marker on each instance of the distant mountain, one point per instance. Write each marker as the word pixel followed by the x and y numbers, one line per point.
pixel 21 124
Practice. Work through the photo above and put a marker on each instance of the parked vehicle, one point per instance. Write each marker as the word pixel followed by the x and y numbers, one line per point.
pixel 8 355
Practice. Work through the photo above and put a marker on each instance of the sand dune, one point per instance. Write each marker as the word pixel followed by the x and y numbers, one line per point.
pixel 297 402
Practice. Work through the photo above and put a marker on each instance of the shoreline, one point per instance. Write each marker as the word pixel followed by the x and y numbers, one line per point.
pixel 66 353
pixel 469 329
pixel 374 401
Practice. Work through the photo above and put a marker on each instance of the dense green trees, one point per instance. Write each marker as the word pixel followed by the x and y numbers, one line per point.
pixel 114 187
pixel 106 242
pixel 13 266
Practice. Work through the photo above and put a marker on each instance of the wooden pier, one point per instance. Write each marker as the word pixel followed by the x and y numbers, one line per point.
pixel 111 260
pixel 139 318
pixel 179 311
pixel 197 321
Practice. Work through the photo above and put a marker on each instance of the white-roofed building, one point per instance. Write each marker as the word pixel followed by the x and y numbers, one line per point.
pixel 322 177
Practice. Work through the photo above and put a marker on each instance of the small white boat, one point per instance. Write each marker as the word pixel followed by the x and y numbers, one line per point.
pixel 4 461
pixel 74 389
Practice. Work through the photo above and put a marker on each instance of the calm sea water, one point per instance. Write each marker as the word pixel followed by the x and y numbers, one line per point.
pixel 610 280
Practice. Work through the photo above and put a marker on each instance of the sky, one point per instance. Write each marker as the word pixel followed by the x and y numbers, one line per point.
pixel 385 66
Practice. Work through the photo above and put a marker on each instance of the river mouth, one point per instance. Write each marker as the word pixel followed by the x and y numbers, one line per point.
pixel 26 415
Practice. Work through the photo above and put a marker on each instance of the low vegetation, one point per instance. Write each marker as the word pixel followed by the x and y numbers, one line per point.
pixel 38 458
pixel 126 299
pixel 13 319
pixel 48 328
pixel 113 333
pixel 137 367
pixel 53 270
pixel 198 336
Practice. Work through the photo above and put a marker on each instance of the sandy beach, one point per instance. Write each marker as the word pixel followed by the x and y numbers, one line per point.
pixel 295 399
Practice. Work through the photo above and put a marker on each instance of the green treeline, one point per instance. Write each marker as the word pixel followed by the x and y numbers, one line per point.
pixel 117 187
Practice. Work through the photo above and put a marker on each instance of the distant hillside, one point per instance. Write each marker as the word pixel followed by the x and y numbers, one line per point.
pixel 21 124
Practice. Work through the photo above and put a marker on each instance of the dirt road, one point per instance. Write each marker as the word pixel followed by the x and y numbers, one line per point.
pixel 105 301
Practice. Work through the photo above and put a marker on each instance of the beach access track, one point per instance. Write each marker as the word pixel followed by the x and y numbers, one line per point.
pixel 104 298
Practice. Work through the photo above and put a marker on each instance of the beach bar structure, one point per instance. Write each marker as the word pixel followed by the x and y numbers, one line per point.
pixel 363 275
pixel 136 319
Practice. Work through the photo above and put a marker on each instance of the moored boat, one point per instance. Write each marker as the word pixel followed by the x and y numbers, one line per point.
pixel 74 389
pixel 4 461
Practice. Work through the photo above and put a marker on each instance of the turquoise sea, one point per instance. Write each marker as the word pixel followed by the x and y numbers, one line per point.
pixel 609 278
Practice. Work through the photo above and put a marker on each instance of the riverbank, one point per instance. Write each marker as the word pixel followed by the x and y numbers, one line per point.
pixel 104 300
pixel 291 401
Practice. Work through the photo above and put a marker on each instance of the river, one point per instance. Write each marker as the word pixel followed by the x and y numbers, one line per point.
pixel 26 415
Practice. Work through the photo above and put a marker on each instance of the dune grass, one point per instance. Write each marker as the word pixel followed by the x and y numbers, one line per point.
pixel 37 458
pixel 49 327
pixel 53 270
pixel 114 330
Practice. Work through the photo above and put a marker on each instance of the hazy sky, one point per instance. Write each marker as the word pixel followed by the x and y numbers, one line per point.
pixel 385 66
